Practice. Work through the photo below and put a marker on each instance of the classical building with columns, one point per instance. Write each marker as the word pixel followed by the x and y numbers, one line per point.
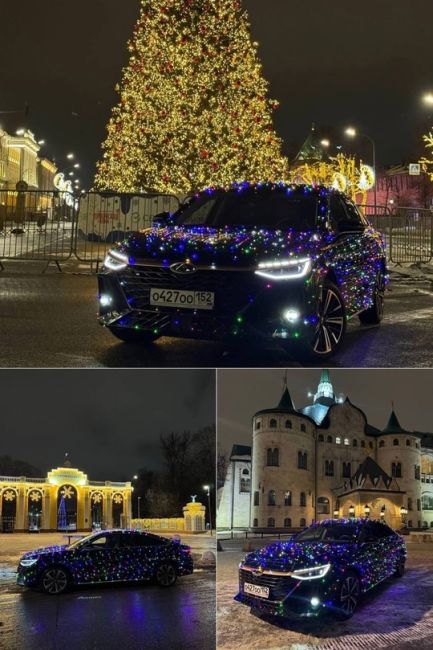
pixel 65 500
pixel 326 460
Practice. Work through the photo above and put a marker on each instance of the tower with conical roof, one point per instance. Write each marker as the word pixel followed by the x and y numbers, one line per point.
pixel 311 151
pixel 325 390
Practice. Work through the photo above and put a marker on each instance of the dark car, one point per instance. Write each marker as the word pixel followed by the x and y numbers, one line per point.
pixel 265 262
pixel 105 557
pixel 325 567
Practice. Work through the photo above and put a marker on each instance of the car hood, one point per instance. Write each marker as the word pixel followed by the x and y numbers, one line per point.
pixel 47 550
pixel 288 556
pixel 241 247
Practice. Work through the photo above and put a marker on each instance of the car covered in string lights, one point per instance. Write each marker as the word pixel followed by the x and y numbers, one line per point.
pixel 326 567
pixel 105 557
pixel 266 262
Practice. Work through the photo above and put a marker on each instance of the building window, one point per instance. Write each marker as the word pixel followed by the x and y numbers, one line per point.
pixel 255 523
pixel 320 437
pixel 355 442
pixel 427 501
pixel 258 424
pixel 245 481
pixel 408 443
pixel 417 445
pixel 346 441
pixel 409 503
pixel 271 497
pixel 288 498
pixel 272 457
pixel 329 468
pixel 396 442
pixel 256 498
pixel 418 504
pixel 273 424
pixel 323 506
pixel 370 444
pixel 382 443
pixel 396 470
pixel 288 424
pixel 303 427
pixel 271 522
pixel 302 522
pixel 346 471
pixel 302 460
pixel 409 523
pixel 329 439
pixel 287 522
pixel 362 443
pixel 338 440
pixel 417 472
pixel 302 499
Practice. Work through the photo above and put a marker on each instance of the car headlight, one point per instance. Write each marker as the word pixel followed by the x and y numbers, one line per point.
pixel 115 260
pixel 284 269
pixel 312 573
pixel 29 562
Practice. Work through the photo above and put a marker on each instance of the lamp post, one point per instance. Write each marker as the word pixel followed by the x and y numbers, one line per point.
pixel 352 133
pixel 207 488
pixel 428 99
pixel 351 511
pixel 138 507
pixel 367 510
pixel 403 513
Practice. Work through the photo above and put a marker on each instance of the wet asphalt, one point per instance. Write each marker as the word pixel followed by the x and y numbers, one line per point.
pixel 144 617
pixel 49 320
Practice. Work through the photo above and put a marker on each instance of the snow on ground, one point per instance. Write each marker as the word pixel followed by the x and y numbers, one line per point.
pixel 395 614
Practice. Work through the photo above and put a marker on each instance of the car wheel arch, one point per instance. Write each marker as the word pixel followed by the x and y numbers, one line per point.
pixel 56 565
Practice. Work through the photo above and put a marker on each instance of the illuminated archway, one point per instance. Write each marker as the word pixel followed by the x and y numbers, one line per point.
pixel 34 509
pixel 67 503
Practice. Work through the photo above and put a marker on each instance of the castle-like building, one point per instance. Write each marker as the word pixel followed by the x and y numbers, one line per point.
pixel 325 460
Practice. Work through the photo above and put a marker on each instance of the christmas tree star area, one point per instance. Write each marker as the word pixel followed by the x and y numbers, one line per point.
pixel 194 109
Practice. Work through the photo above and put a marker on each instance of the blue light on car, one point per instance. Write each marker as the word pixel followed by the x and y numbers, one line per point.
pixel 29 562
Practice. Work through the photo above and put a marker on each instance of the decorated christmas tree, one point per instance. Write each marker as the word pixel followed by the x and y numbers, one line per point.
pixel 194 108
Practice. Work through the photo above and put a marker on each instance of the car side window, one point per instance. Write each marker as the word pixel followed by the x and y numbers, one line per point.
pixel 98 542
pixel 148 540
pixel 344 215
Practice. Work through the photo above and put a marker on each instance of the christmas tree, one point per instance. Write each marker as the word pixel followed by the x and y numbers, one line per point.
pixel 194 108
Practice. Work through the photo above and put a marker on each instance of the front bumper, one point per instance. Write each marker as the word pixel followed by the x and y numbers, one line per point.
pixel 245 304
pixel 27 577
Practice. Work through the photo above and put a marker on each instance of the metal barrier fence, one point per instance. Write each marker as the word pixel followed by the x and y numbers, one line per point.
pixel 54 226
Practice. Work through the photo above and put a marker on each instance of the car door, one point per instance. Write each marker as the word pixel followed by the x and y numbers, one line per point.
pixel 151 550
pixel 352 254
pixel 99 559
pixel 372 555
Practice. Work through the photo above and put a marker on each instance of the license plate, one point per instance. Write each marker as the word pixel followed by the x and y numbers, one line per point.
pixel 256 590
pixel 182 298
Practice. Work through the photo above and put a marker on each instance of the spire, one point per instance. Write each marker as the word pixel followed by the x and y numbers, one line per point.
pixel 325 390
pixel 66 461
pixel 393 425
pixel 286 402
pixel 311 151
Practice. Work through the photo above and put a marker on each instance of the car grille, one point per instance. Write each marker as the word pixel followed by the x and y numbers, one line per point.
pixel 279 586
pixel 233 289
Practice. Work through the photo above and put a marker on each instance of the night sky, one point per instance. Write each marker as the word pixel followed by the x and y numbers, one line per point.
pixel 109 421
pixel 365 63
pixel 241 393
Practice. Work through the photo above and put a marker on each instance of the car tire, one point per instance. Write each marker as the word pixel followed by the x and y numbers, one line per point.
pixel 399 569
pixel 166 574
pixel 331 329
pixel 374 314
pixel 133 336
pixel 349 591
pixel 54 581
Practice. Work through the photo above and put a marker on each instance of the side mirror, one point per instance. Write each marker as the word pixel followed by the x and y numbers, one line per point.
pixel 161 220
pixel 349 226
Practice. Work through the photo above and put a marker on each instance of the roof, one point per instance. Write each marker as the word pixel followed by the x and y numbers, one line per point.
pixel 426 439
pixel 316 412
pixel 393 425
pixel 240 450
pixel 311 150
pixel 285 405
pixel 369 469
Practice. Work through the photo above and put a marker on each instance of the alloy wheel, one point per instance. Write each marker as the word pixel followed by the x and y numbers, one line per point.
pixel 330 327
pixel 54 581
pixel 166 575
pixel 349 595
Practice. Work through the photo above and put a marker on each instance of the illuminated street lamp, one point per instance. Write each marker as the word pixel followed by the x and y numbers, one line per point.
pixel 336 513
pixel 325 143
pixel 367 510
pixel 207 489
pixel 70 156
pixel 351 511
pixel 382 513
pixel 428 99
pixel 352 133
pixel 77 165
pixel 138 507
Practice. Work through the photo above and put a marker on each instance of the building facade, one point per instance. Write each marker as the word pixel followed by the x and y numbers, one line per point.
pixel 235 495
pixel 325 460
pixel 65 500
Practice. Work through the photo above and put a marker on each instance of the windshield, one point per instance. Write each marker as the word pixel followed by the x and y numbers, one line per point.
pixel 331 533
pixel 276 209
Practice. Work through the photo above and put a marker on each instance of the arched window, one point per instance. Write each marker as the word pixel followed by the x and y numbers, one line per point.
pixel 396 442
pixel 338 440
pixel 256 498
pixel 329 439
pixel 396 470
pixel 271 522
pixel 418 504
pixel 271 497
pixel 288 424
pixel 427 501
pixel 245 483
pixel 302 522
pixel 288 498
pixel 273 457
pixel 407 442
pixel 370 444
pixel 287 522
pixel 417 472
pixel 273 424
pixel 302 460
pixel 346 470
pixel 409 503
pixel 329 468
pixel 346 441
pixel 320 437
pixel 381 443
pixel 258 424
pixel 323 506
pixel 303 427
pixel 255 523
pixel 302 499
pixel 362 443
pixel 355 442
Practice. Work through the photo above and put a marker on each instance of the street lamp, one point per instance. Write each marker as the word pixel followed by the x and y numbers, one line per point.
pixel 351 511
pixel 336 513
pixel 207 488
pixel 382 513
pixel 352 133
pixel 70 156
pixel 138 507
pixel 428 99
pixel 325 143
pixel 367 510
